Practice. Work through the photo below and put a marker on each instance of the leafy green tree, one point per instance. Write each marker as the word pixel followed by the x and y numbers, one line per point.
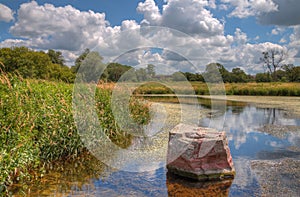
pixel 13 58
pixel 190 76
pixel 178 76
pixel 193 77
pixel 263 77
pixel 238 75
pixel 61 73
pixel 56 57
pixel 116 70
pixel 35 64
pixel 130 75
pixel 79 60
pixel 216 73
pixel 28 63
pixel 292 72
pixel 281 76
pixel 92 66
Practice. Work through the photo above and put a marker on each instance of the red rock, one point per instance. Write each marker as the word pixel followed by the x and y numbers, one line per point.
pixel 199 153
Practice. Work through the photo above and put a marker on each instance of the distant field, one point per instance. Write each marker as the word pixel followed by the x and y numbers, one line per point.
pixel 253 89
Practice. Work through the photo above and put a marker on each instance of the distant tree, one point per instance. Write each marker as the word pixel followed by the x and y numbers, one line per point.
pixel 92 67
pixel 28 63
pixel 281 76
pixel 193 76
pixel 238 75
pixel 130 75
pixel 178 76
pixel 34 64
pixel 216 73
pixel 272 60
pixel 292 72
pixel 141 74
pixel 263 77
pixel 61 73
pixel 150 70
pixel 13 58
pixel 79 60
pixel 56 57
pixel 199 77
pixel 190 76
pixel 115 71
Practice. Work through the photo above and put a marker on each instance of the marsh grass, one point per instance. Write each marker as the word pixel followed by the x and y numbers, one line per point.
pixel 37 127
pixel 264 89
pixel 254 89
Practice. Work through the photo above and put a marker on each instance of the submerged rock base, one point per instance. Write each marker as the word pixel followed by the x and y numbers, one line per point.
pixel 178 186
pixel 199 153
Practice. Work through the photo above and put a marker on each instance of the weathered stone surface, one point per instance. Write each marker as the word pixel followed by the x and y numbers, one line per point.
pixel 199 153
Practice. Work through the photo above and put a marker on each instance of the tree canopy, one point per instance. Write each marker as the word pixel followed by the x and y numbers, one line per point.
pixel 35 64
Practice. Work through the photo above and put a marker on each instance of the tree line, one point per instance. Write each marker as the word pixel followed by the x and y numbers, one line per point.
pixel 35 64
pixel 50 65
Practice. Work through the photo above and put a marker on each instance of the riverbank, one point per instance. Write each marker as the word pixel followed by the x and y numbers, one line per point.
pixel 200 88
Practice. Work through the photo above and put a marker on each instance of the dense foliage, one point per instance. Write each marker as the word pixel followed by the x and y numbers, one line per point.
pixel 35 64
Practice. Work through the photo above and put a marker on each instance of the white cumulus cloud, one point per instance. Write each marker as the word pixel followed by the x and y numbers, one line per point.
pixel 189 16
pixel 6 14
pixel 46 26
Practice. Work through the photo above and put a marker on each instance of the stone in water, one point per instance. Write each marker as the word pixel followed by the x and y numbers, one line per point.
pixel 199 153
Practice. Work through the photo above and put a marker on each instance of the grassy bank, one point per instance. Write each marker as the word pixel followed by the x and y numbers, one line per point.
pixel 37 126
pixel 254 89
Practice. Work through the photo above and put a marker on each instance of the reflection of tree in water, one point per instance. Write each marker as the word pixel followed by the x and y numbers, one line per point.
pixel 270 113
pixel 240 120
pixel 237 109
pixel 273 116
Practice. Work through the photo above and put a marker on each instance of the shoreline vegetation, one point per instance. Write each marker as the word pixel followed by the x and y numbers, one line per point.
pixel 37 127
pixel 245 89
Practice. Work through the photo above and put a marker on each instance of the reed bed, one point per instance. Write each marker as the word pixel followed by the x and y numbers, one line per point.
pixel 37 127
pixel 254 89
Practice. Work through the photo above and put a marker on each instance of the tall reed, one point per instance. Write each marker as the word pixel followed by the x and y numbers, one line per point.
pixel 37 126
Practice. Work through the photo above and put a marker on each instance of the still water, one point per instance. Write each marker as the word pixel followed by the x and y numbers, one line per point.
pixel 264 143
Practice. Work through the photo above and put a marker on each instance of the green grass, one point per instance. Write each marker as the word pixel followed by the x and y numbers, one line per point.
pixel 254 89
pixel 37 126
pixel 264 89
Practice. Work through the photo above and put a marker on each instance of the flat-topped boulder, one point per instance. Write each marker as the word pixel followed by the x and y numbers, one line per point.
pixel 199 153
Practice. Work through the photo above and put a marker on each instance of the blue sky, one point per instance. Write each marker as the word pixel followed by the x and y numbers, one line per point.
pixel 234 32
